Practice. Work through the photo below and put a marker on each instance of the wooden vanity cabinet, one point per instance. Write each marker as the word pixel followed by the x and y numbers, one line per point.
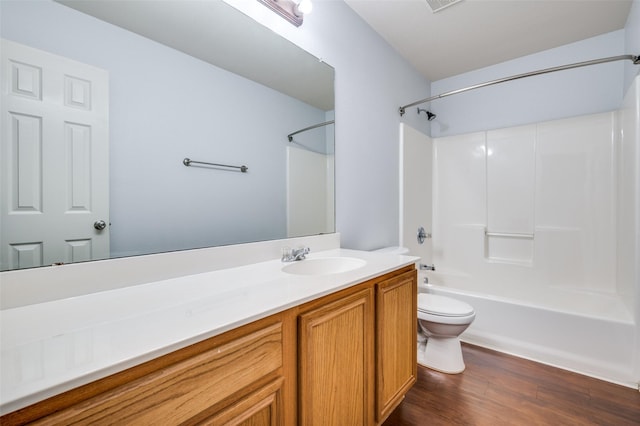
pixel 346 358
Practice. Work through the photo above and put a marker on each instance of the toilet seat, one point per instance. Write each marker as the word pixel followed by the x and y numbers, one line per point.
pixel 441 305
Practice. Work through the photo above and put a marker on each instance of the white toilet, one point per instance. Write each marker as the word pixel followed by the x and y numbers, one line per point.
pixel 442 319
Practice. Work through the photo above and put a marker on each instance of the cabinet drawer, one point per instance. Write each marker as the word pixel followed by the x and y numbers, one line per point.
pixel 261 408
pixel 180 391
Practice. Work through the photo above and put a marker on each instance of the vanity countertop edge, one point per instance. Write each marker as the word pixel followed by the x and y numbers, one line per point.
pixel 49 348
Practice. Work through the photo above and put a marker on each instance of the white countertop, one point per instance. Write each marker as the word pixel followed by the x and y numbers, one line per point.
pixel 51 347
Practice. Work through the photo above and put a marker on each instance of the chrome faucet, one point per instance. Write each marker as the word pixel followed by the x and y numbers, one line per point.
pixel 292 255
pixel 425 267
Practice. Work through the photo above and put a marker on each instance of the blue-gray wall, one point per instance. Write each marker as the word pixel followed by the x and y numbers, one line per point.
pixel 568 93
pixel 372 81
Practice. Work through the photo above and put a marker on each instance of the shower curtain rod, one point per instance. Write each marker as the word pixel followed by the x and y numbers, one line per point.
pixel 290 136
pixel 633 58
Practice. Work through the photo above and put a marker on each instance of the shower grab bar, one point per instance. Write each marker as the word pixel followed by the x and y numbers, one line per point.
pixel 187 162
pixel 507 234
pixel 290 135
pixel 634 58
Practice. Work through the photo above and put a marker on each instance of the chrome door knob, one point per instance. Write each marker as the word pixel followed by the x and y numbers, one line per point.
pixel 99 225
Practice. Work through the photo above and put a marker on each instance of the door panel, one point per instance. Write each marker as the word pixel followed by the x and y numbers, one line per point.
pixel 55 159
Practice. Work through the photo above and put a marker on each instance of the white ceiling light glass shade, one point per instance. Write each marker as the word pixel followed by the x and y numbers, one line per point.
pixel 304 7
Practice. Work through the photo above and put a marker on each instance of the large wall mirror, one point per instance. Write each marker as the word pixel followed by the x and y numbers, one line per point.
pixel 102 101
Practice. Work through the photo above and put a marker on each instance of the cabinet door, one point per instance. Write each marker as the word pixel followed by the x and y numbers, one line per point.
pixel 396 322
pixel 336 357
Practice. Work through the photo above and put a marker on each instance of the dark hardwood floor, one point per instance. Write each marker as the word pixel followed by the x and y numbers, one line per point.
pixel 499 389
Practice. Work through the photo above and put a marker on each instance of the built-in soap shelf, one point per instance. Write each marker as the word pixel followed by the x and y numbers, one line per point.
pixel 515 248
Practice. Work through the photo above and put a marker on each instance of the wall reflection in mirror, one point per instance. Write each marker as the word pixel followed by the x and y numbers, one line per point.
pixel 101 103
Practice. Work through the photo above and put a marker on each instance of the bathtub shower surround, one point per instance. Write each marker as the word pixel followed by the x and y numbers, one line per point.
pixel 543 191
pixel 542 215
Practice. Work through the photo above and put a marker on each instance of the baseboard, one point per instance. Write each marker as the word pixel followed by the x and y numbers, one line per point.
pixel 560 359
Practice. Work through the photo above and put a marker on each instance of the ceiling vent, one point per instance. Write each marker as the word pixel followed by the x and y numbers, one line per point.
pixel 438 5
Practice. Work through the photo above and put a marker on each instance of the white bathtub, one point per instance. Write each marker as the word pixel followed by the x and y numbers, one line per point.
pixel 588 333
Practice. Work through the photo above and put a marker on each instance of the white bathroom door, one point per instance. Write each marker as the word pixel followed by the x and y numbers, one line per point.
pixel 54 156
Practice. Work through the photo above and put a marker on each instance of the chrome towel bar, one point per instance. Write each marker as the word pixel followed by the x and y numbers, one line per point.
pixel 187 162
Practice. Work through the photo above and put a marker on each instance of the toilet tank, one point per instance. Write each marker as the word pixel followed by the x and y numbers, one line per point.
pixel 393 250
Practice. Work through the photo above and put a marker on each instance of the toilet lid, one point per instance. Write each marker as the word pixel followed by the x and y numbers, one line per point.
pixel 441 305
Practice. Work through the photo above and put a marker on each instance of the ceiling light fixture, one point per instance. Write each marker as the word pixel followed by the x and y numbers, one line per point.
pixel 438 5
pixel 305 7
pixel 292 11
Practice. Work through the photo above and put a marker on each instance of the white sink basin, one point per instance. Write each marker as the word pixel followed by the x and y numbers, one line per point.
pixel 323 266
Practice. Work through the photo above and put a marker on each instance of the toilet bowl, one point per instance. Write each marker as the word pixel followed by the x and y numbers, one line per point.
pixel 442 319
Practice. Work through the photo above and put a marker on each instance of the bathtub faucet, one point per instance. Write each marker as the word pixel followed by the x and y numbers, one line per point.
pixel 425 267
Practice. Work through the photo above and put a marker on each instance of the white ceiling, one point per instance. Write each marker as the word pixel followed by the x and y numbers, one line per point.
pixel 474 34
